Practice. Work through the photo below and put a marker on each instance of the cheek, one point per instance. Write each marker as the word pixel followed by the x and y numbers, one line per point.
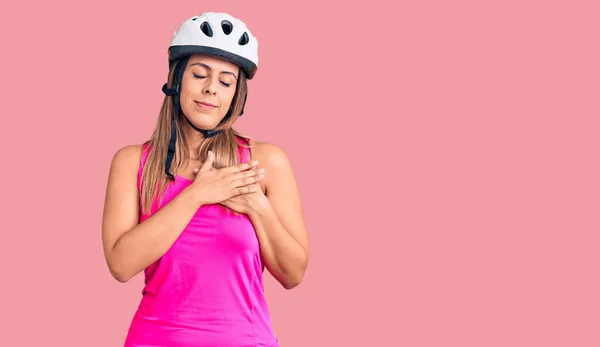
pixel 189 93
pixel 184 96
pixel 185 93
pixel 186 100
pixel 227 97
pixel 191 88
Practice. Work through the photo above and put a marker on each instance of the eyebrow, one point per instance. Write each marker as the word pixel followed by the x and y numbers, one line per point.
pixel 209 68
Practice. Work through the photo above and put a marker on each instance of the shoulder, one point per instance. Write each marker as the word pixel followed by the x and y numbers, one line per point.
pixel 127 158
pixel 269 155
pixel 128 153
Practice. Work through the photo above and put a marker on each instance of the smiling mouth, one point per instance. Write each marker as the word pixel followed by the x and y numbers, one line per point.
pixel 206 105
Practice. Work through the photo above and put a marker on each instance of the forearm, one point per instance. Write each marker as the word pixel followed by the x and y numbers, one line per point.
pixel 141 246
pixel 284 256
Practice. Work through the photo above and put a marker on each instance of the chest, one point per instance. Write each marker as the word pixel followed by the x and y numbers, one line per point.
pixel 187 173
pixel 215 234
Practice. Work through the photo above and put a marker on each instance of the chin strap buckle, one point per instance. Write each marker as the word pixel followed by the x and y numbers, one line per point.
pixel 170 91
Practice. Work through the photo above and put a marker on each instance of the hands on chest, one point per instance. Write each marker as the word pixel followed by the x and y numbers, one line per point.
pixel 249 204
pixel 236 187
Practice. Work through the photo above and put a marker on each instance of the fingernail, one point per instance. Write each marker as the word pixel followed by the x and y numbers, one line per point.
pixel 210 153
pixel 254 162
pixel 261 170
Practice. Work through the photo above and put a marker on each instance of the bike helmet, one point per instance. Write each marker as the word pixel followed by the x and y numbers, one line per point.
pixel 216 34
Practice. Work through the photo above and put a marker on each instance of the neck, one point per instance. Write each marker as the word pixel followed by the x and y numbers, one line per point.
pixel 193 138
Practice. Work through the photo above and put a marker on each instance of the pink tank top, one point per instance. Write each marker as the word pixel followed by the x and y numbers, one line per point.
pixel 207 289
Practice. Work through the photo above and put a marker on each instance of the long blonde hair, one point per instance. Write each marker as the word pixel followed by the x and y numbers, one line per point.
pixel 224 145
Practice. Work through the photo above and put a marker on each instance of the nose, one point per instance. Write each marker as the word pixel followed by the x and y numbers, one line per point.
pixel 209 87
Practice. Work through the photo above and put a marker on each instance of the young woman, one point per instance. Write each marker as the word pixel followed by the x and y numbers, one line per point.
pixel 202 209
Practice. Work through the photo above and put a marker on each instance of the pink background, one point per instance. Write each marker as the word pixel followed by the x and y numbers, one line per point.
pixel 447 155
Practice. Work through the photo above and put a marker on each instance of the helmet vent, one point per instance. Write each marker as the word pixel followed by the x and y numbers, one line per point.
pixel 227 27
pixel 206 29
pixel 244 39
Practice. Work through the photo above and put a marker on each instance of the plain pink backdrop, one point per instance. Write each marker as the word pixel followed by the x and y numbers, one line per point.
pixel 446 152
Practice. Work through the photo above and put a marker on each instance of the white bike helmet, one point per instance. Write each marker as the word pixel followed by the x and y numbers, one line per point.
pixel 220 35
pixel 215 34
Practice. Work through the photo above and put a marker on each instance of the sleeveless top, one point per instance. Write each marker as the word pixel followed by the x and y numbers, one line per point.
pixel 207 289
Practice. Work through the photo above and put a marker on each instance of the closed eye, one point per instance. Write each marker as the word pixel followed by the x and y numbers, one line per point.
pixel 223 83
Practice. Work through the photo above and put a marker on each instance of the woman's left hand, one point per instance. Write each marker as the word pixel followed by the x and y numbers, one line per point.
pixel 248 204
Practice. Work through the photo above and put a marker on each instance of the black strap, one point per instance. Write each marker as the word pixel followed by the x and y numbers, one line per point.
pixel 174 92
pixel 171 151
pixel 206 133
pixel 170 91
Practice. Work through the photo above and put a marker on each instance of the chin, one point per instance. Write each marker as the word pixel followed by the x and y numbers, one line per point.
pixel 204 121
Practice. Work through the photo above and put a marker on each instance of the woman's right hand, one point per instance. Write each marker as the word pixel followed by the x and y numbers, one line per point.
pixel 214 186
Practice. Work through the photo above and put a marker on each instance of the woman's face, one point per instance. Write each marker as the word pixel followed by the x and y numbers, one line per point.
pixel 207 90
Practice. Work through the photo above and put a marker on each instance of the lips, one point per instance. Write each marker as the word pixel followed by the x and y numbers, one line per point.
pixel 205 105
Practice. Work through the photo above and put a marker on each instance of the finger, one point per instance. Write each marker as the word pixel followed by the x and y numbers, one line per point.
pixel 248 180
pixel 246 177
pixel 243 167
pixel 246 190
pixel 209 161
pixel 247 173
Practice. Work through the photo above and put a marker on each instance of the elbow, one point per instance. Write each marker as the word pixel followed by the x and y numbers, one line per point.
pixel 121 277
pixel 119 273
pixel 291 284
pixel 117 267
pixel 292 281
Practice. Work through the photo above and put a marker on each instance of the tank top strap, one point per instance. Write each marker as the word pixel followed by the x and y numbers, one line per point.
pixel 243 152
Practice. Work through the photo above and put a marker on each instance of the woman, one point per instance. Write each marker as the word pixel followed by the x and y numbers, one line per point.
pixel 201 209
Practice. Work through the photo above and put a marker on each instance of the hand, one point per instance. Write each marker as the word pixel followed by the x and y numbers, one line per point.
pixel 214 186
pixel 248 204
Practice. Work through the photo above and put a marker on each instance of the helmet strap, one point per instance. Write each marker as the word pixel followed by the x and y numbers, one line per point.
pixel 174 92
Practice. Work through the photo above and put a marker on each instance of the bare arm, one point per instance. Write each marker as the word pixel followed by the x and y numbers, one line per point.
pixel 130 247
pixel 279 221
